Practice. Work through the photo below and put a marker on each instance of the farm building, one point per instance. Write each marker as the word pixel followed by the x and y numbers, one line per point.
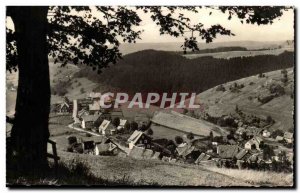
pixel 227 151
pixel 88 121
pixel 202 157
pixel 64 108
pixel 140 139
pixel 253 143
pixel 171 124
pixel 288 136
pixel 106 128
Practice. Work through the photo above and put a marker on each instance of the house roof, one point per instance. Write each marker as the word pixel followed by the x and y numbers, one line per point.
pixel 104 125
pixel 117 113
pixel 228 151
pixel 135 136
pixel 185 150
pixel 122 122
pixel 255 140
pixel 95 106
pixel 278 138
pixel 95 95
pixel 105 147
pixel 89 118
pixel 288 135
pixel 241 154
pixel 200 158
pixel 183 123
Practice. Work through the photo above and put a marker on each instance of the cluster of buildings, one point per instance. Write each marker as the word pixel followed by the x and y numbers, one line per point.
pixel 207 146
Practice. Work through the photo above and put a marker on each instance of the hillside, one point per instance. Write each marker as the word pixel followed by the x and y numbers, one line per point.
pixel 280 108
pixel 159 71
pixel 175 46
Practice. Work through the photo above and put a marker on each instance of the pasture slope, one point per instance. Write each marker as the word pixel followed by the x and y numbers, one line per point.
pixel 281 109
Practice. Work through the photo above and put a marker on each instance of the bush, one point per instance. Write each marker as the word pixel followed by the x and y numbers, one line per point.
pixel 190 136
pixel 116 121
pixel 82 90
pixel 134 126
pixel 149 131
pixel 221 88
pixel 61 88
pixel 276 89
pixel 178 140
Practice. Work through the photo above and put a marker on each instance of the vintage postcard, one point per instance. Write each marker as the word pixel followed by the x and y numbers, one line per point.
pixel 150 96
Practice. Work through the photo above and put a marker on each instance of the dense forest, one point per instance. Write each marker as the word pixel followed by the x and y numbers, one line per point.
pixel 160 71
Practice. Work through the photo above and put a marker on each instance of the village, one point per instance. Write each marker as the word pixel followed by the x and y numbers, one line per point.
pixel 239 141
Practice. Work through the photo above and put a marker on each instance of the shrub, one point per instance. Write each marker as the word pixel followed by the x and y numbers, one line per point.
pixel 82 90
pixel 116 121
pixel 276 89
pixel 190 136
pixel 149 131
pixel 178 140
pixel 221 88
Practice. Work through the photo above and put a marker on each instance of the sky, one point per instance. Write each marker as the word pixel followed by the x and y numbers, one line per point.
pixel 282 29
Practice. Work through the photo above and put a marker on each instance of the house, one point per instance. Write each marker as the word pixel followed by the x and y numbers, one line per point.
pixel 227 151
pixel 106 128
pixel 64 108
pixel 202 157
pixel 106 147
pixel 94 107
pixel 122 124
pixel 279 138
pixel 266 133
pixel 242 154
pixel 140 139
pixel 184 149
pixel 288 136
pixel 253 143
pixel 88 121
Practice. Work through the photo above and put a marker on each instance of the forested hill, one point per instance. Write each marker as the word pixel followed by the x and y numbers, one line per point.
pixel 160 71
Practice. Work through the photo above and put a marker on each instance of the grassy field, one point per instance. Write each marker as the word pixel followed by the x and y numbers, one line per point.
pixel 281 108
pixel 235 54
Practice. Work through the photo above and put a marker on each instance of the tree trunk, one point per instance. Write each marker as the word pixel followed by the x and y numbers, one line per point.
pixel 30 129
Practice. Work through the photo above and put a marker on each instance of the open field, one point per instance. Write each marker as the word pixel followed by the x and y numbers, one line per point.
pixel 234 54
pixel 281 108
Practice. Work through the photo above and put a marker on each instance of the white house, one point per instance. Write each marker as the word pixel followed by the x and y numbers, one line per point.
pixel 106 128
pixel 253 143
